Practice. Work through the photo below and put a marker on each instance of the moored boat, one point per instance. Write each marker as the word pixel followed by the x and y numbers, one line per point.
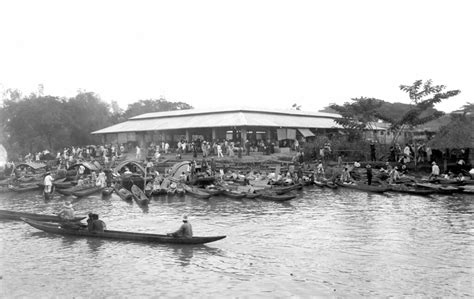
pixel 364 187
pixel 120 235
pixel 14 215
pixel 233 194
pixel 123 193
pixel 24 187
pixel 276 197
pixel 286 189
pixel 139 196
pixel 87 192
pixel 196 192
pixel 107 191
pixel 411 190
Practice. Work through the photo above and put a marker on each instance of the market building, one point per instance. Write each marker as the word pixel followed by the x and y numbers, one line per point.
pixel 281 127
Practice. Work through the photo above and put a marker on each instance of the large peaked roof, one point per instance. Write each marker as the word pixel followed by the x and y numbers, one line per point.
pixel 194 118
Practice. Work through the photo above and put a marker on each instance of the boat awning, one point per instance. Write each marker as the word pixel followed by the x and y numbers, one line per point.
pixel 306 132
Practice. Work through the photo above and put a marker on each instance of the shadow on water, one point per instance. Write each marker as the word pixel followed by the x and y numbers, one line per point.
pixel 66 241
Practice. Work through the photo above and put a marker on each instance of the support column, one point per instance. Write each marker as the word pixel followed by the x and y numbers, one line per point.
pixel 188 136
pixel 269 135
pixel 243 135
pixel 214 135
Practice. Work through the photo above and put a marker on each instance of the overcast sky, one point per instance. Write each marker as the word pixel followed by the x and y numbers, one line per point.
pixel 249 53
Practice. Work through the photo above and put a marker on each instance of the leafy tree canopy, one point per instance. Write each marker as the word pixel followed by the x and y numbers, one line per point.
pixel 151 105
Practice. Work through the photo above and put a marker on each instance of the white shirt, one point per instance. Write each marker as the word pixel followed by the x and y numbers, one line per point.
pixel 435 169
pixel 48 180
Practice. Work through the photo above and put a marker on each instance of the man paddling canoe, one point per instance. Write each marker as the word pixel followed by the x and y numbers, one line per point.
pixel 185 231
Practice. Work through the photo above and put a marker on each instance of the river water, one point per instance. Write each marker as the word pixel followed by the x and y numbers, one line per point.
pixel 324 243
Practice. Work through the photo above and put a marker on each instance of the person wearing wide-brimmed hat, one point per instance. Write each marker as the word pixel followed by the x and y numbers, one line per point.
pixel 185 230
pixel 67 212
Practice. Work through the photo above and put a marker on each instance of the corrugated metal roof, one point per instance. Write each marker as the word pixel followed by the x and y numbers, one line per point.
pixel 226 110
pixel 223 119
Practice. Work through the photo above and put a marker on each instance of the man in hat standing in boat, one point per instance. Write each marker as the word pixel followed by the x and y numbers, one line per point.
pixel 185 231
pixel 48 183
pixel 434 170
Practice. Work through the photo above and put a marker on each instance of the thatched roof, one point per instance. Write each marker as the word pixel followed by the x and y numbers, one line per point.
pixel 459 133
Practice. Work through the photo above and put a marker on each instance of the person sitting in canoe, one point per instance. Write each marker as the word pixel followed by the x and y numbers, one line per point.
pixel 185 230
pixel 94 224
pixel 346 176
pixel 67 212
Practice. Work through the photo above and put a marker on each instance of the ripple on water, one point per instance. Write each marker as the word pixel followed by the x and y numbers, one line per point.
pixel 324 243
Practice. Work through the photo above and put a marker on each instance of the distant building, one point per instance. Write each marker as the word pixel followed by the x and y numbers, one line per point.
pixel 237 125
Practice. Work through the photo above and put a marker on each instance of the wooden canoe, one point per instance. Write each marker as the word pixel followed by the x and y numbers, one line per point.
pixel 87 192
pixel 107 191
pixel 14 215
pixel 120 235
pixel 139 196
pixel 123 193
pixel 411 190
pixel 23 187
pixel 286 189
pixel 276 197
pixel 364 187
pixel 439 188
pixel 251 195
pixel 196 192
pixel 233 194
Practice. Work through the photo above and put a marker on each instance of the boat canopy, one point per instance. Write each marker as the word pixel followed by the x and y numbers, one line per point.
pixel 135 163
pixel 33 165
pixel 88 165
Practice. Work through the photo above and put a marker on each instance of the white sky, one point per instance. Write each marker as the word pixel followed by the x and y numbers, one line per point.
pixel 248 53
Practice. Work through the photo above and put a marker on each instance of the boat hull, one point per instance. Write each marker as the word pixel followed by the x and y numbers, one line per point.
pixel 121 235
pixel 14 215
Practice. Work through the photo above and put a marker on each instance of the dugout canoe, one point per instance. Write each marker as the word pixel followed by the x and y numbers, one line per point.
pixel 196 192
pixel 411 190
pixel 123 193
pixel 139 196
pixel 120 235
pixel 87 192
pixel 24 187
pixel 276 197
pixel 286 189
pixel 364 187
pixel 14 215
pixel 107 191
pixel 233 194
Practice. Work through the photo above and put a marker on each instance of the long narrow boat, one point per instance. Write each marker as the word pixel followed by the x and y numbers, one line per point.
pixel 123 193
pixel 69 191
pixel 276 197
pixel 411 190
pixel 139 196
pixel 286 189
pixel 14 215
pixel 439 188
pixel 23 187
pixel 87 192
pixel 233 194
pixel 364 187
pixel 120 235
pixel 196 192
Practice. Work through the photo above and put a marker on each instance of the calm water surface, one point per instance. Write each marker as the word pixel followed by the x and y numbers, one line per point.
pixel 324 243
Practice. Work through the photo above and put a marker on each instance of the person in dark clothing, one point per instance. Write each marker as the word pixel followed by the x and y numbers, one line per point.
pixel 369 174
pixel 372 151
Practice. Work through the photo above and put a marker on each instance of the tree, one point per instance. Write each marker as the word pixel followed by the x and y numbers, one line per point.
pixel 359 115
pixel 87 113
pixel 423 97
pixel 151 105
